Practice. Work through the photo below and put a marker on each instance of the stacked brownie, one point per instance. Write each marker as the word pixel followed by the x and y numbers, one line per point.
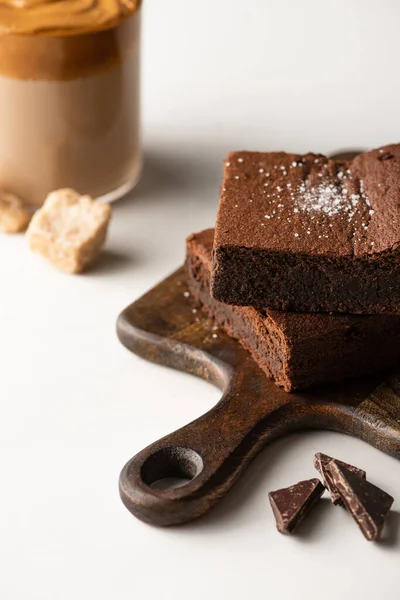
pixel 304 265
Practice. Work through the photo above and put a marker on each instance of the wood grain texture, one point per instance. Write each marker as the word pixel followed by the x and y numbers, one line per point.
pixel 213 451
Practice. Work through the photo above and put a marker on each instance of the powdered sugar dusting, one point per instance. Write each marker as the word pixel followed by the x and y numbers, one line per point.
pixel 322 197
pixel 328 199
pixel 326 194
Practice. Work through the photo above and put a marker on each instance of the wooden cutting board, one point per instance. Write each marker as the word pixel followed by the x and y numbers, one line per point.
pixel 212 451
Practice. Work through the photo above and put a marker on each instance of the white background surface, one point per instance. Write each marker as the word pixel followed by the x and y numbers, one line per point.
pixel 217 75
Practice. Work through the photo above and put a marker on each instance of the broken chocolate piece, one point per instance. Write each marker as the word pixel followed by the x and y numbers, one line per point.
pixel 290 505
pixel 321 462
pixel 367 504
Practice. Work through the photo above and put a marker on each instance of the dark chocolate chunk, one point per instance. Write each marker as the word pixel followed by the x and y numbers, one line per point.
pixel 321 462
pixel 296 350
pixel 290 505
pixel 368 504
pixel 303 233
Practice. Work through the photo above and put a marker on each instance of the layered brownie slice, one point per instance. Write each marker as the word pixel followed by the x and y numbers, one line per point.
pixel 304 233
pixel 296 350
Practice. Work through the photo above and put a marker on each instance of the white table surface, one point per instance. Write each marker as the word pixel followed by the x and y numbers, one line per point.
pixel 217 75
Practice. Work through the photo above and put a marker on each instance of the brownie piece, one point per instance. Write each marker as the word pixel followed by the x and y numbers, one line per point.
pixel 296 350
pixel 290 505
pixel 304 233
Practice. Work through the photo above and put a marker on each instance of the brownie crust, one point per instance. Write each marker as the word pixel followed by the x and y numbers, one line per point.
pixel 296 350
pixel 305 233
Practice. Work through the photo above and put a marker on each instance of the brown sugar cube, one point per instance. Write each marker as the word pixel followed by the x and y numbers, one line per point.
pixel 14 213
pixel 69 230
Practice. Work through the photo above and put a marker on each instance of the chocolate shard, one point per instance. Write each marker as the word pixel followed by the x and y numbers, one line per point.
pixel 368 504
pixel 290 505
pixel 321 462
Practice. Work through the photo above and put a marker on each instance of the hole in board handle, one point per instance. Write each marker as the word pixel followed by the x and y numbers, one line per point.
pixel 171 468
pixel 170 483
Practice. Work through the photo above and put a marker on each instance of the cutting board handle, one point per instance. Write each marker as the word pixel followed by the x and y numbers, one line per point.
pixel 210 453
